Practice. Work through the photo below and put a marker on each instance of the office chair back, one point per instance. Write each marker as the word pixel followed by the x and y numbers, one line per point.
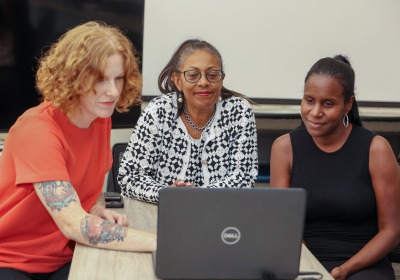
pixel 112 183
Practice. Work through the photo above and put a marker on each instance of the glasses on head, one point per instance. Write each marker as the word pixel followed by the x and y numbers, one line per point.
pixel 193 76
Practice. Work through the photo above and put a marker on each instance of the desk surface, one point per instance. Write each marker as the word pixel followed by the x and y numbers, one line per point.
pixel 93 263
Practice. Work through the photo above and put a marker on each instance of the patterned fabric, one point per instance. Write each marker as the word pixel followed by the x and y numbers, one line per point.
pixel 161 151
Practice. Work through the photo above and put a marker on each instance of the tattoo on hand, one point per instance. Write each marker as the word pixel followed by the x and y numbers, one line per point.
pixel 96 230
pixel 57 194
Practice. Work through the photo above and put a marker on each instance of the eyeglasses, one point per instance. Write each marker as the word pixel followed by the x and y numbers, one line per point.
pixel 193 76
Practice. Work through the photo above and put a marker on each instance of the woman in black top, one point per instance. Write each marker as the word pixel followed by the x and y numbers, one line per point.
pixel 350 173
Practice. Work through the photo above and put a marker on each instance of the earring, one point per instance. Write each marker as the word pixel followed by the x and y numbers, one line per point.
pixel 219 98
pixel 180 98
pixel 345 120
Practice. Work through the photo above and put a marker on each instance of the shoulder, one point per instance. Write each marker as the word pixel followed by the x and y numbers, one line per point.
pixel 163 106
pixel 36 120
pixel 37 129
pixel 281 161
pixel 380 150
pixel 363 132
pixel 299 134
pixel 236 108
pixel 163 99
pixel 364 138
pixel 380 146
pixel 236 102
pixel 383 165
pixel 282 143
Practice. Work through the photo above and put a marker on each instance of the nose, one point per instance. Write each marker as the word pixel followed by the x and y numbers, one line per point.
pixel 112 89
pixel 316 110
pixel 203 80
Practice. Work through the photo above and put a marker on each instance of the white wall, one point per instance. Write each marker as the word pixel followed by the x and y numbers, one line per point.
pixel 269 45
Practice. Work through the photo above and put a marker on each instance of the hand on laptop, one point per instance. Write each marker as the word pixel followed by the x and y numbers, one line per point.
pixel 181 183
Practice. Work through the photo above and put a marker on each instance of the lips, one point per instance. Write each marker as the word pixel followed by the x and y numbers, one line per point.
pixel 108 103
pixel 315 124
pixel 203 93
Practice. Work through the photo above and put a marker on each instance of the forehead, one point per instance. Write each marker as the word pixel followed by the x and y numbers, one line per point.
pixel 323 85
pixel 114 63
pixel 201 59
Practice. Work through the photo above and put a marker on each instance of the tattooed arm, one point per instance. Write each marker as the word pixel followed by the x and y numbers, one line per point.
pixel 63 204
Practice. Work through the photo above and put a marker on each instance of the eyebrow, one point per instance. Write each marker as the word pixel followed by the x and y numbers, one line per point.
pixel 198 69
pixel 322 100
pixel 119 75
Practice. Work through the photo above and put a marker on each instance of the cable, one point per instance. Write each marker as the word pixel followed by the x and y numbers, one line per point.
pixel 310 275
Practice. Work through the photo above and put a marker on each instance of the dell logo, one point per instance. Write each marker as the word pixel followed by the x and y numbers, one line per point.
pixel 230 235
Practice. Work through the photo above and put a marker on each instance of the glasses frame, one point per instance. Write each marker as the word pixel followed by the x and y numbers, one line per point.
pixel 221 73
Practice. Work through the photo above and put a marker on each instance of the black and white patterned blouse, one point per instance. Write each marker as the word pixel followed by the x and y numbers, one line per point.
pixel 161 150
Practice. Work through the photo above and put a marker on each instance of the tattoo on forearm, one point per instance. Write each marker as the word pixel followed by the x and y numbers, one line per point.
pixel 96 230
pixel 57 194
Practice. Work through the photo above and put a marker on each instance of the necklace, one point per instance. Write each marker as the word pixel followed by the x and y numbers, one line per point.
pixel 192 123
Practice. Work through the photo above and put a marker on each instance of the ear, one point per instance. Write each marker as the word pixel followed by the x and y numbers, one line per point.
pixel 349 104
pixel 176 79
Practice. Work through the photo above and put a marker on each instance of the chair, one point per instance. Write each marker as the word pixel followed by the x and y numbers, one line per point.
pixel 112 183
pixel 263 173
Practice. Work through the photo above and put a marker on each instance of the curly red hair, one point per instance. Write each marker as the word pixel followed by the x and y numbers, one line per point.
pixel 77 61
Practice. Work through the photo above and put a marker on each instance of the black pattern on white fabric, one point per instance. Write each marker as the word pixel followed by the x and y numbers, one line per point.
pixel 194 166
pixel 160 150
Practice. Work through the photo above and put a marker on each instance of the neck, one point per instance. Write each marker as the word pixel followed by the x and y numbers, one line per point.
pixel 78 119
pixel 199 120
pixel 334 142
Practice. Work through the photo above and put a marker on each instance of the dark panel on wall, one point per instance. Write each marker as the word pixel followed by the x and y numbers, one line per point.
pixel 29 27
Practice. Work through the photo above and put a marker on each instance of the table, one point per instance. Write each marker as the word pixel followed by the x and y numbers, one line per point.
pixel 93 263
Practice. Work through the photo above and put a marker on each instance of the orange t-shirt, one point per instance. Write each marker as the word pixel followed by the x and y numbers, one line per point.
pixel 43 145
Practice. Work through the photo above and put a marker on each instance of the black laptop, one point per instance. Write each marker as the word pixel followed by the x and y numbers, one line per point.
pixel 229 233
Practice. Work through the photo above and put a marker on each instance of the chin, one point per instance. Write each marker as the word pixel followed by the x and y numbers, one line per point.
pixel 315 132
pixel 105 115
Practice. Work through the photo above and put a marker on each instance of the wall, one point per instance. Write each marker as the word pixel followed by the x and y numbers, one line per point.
pixel 269 45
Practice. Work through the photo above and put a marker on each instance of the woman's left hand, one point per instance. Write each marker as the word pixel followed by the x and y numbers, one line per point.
pixel 109 215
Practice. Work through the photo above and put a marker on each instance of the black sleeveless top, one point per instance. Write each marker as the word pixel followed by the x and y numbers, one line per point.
pixel 341 209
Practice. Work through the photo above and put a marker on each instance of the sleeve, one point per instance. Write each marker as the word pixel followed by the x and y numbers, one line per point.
pixel 139 163
pixel 38 153
pixel 242 154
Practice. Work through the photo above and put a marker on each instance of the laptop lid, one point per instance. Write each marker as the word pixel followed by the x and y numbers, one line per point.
pixel 229 233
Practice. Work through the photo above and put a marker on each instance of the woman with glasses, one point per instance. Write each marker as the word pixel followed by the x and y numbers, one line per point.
pixel 197 134
pixel 351 176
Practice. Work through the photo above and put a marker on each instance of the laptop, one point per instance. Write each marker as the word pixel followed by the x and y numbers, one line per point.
pixel 229 233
